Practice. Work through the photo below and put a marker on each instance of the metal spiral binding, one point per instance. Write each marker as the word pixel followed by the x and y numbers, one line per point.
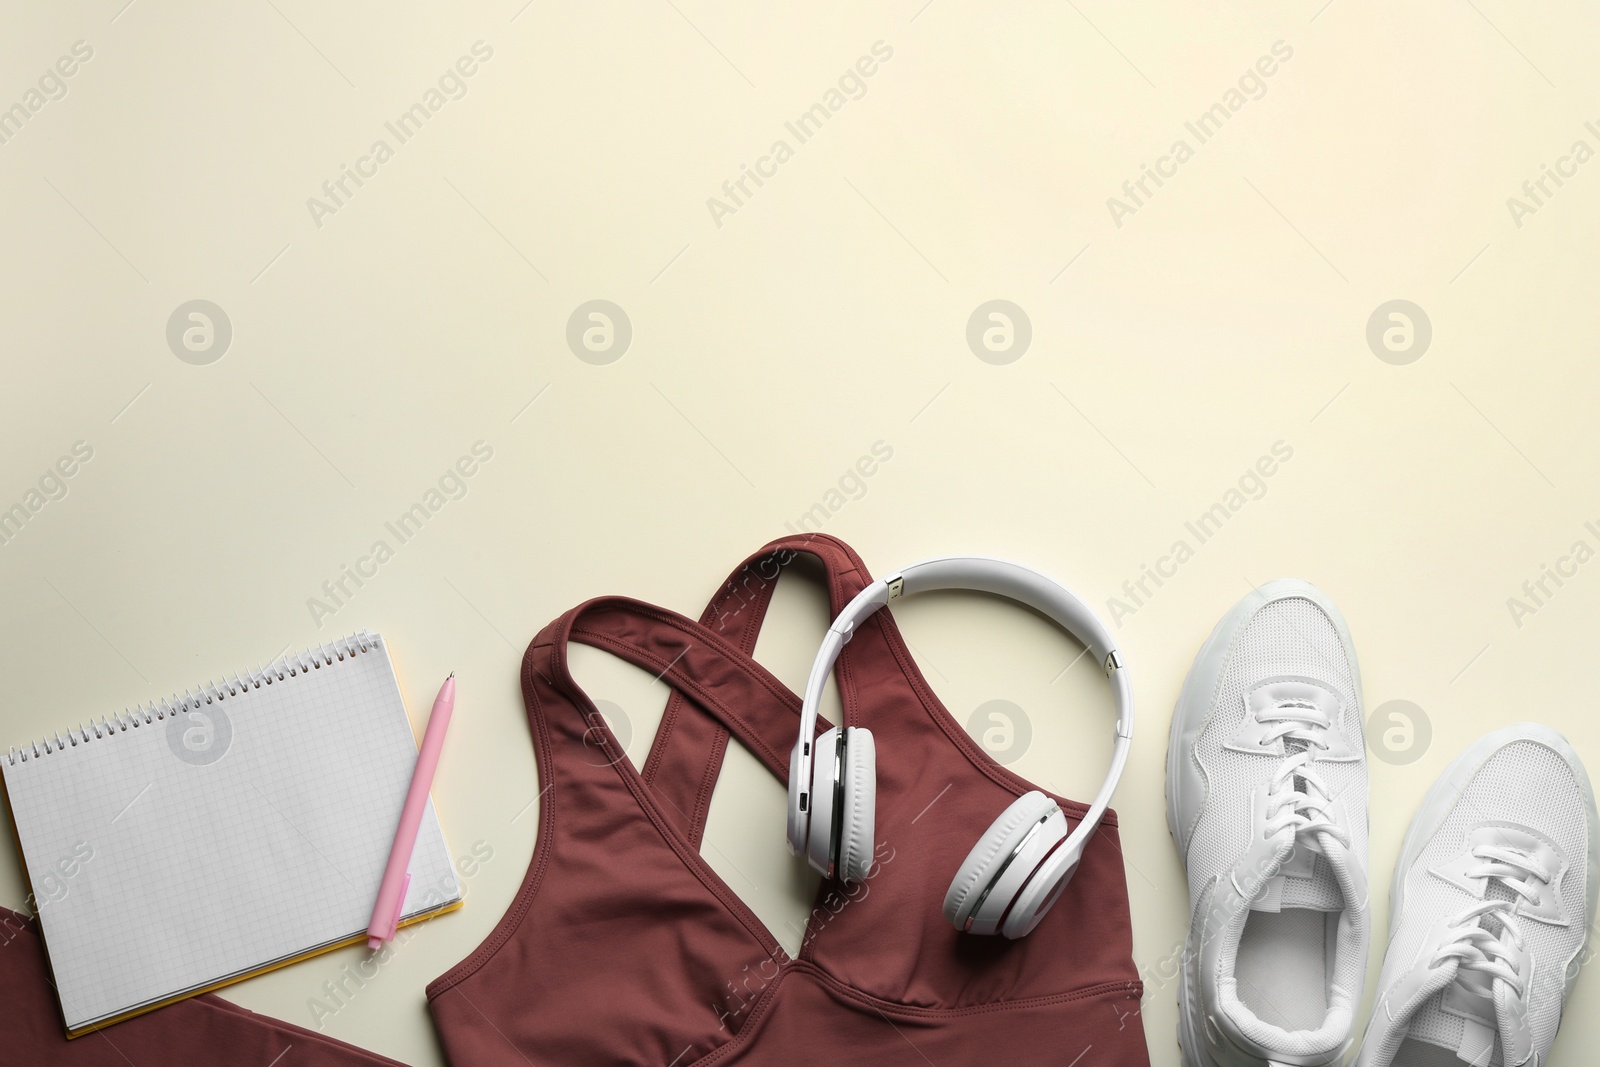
pixel 280 669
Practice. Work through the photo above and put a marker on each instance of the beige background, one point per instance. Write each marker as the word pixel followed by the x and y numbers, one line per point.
pixel 827 313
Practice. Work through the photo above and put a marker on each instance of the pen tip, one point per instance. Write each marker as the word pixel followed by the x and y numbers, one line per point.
pixel 452 675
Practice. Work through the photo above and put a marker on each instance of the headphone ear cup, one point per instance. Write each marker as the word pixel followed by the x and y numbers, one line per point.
pixel 860 804
pixel 819 804
pixel 1035 899
pixel 989 878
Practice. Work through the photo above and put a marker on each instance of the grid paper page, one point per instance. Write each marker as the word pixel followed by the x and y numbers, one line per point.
pixel 169 856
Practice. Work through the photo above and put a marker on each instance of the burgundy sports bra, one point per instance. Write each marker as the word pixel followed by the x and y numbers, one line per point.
pixel 624 947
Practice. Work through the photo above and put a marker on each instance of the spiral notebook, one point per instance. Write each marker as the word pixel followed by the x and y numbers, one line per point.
pixel 199 840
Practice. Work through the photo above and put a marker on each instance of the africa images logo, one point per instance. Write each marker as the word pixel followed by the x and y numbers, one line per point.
pixel 338 191
pixel 1251 85
pixel 851 85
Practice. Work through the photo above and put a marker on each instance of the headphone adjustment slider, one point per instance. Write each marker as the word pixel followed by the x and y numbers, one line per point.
pixel 897 586
pixel 1113 661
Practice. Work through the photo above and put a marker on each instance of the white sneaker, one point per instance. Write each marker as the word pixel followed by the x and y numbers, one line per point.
pixel 1492 898
pixel 1267 803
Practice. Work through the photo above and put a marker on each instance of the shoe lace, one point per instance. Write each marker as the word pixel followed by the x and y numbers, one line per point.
pixel 1298 797
pixel 1477 947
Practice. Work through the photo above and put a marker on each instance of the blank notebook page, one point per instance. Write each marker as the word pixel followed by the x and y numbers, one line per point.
pixel 178 847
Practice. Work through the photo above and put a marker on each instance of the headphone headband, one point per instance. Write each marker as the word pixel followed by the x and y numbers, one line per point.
pixel 988 575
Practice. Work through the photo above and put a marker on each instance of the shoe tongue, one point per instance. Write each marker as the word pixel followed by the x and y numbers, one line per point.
pixel 1461 1017
pixel 1305 880
pixel 1465 1015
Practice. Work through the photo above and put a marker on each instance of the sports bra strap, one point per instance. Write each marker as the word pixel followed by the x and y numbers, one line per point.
pixel 717 677
pixel 686 756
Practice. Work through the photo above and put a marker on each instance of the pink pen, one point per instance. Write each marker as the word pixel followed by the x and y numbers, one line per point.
pixel 396 878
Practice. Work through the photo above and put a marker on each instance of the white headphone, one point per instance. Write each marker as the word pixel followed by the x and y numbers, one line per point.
pixel 1024 859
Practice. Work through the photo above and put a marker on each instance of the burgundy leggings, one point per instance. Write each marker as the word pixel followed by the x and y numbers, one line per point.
pixel 197 1032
